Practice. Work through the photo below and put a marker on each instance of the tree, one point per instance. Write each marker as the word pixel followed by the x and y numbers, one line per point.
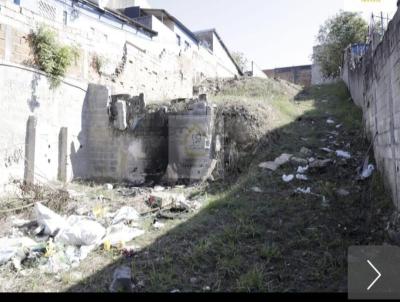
pixel 240 60
pixel 334 36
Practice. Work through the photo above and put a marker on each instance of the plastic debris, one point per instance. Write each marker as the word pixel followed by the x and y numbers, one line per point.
pixel 343 154
pixel 303 190
pixel 51 221
pixel 122 280
pixel 11 247
pixel 339 126
pixel 287 178
pixel 302 170
pixel 274 165
pixel 342 192
pixel 330 121
pixel 327 150
pixel 125 214
pixel 81 231
pixel 301 177
pixel 121 233
pixel 366 173
pixel 108 187
pixel 158 225
pixel 256 190
pixel 159 189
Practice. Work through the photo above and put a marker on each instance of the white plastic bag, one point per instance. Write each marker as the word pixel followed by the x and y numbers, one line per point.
pixel 52 222
pixel 80 231
pixel 121 233
pixel 125 214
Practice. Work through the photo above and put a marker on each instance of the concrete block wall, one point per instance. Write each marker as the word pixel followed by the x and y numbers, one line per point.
pixel 374 84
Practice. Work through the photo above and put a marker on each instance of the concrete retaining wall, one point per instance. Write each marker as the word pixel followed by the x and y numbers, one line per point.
pixel 374 83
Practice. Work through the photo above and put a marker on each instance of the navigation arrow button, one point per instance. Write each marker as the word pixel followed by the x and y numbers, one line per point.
pixel 377 278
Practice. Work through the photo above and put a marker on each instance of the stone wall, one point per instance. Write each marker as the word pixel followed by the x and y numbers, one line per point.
pixel 374 84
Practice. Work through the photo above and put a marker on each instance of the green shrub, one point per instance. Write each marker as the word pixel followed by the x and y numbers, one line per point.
pixel 51 57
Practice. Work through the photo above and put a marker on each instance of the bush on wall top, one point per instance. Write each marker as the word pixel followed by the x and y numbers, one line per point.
pixel 51 57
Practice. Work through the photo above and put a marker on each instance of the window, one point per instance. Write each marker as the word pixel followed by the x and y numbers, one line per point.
pixel 17 2
pixel 178 39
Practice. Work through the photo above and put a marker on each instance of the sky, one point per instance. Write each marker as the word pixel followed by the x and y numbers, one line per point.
pixel 273 33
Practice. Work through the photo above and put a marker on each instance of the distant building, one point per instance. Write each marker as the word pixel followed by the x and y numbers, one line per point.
pixel 300 75
pixel 317 78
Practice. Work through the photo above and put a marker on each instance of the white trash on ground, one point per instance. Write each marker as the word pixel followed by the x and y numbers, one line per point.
pixel 302 170
pixel 256 190
pixel 343 154
pixel 301 177
pixel 125 214
pixel 330 121
pixel 327 150
pixel 274 165
pixel 366 173
pixel 81 231
pixel 303 190
pixel 121 233
pixel 51 221
pixel 158 225
pixel 10 247
pixel 287 178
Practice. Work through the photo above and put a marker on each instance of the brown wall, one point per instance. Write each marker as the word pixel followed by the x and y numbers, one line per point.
pixel 300 75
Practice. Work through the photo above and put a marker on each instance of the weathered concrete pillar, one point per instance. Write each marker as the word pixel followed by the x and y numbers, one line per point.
pixel 30 145
pixel 120 123
pixel 63 154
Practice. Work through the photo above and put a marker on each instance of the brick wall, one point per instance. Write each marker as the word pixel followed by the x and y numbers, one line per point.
pixel 374 84
pixel 300 75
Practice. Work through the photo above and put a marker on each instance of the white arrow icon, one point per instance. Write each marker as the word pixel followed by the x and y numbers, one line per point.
pixel 377 278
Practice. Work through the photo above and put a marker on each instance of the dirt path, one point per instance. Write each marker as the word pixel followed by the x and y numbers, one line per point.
pixel 255 233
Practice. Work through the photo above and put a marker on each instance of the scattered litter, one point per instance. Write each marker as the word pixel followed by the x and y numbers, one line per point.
pixel 125 214
pixel 311 160
pixel 343 154
pixel 174 291
pixel 256 190
pixel 206 288
pixel 158 225
pixel 342 192
pixel 366 173
pixel 159 189
pixel 274 165
pixel 302 170
pixel 339 126
pixel 301 177
pixel 121 233
pixel 330 121
pixel 16 222
pixel 51 221
pixel 81 232
pixel 108 187
pixel 122 280
pixel 305 151
pixel 287 178
pixel 327 150
pixel 324 101
pixel 193 280
pixel 12 247
pixel 303 190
